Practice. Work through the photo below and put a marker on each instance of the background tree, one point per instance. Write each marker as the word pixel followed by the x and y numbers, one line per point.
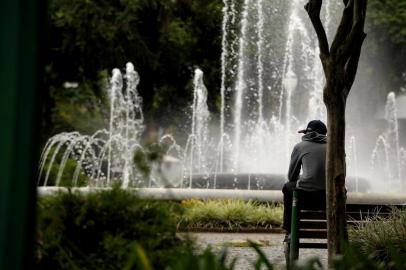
pixel 340 63
pixel 165 40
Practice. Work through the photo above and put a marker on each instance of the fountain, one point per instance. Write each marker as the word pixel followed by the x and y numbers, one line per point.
pixel 388 158
pixel 107 155
pixel 267 93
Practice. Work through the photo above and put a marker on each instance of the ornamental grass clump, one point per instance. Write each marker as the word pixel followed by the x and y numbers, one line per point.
pixel 230 215
pixel 383 239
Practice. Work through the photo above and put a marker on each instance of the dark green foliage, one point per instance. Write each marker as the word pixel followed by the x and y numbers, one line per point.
pixel 386 41
pixel 102 230
pixel 355 259
pixel 67 176
pixel 388 17
pixel 164 39
pixel 207 260
pixel 80 109
pixel 262 259
pixel 143 159
pixel 117 230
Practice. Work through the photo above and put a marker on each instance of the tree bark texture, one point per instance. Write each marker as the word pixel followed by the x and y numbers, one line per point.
pixel 340 63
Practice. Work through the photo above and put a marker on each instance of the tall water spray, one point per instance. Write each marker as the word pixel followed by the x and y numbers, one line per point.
pixel 197 146
pixel 241 85
pixel 253 134
pixel 227 55
pixel 200 120
pixel 260 64
pixel 392 132
pixel 387 154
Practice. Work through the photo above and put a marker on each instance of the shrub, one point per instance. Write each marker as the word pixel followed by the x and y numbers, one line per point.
pixel 100 231
pixel 383 239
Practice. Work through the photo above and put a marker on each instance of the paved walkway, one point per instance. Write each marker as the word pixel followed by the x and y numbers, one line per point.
pixel 273 248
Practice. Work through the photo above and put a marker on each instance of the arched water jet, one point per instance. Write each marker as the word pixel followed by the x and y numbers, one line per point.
pixel 376 159
pixel 120 141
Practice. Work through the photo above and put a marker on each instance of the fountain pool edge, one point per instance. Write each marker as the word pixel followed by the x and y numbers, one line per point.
pixel 274 196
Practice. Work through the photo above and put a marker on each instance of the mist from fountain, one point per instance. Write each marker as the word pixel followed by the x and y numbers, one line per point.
pixel 387 159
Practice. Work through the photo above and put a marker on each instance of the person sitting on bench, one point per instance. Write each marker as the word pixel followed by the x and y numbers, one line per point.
pixel 310 156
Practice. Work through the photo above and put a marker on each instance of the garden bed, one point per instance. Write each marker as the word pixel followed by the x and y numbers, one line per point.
pixel 230 216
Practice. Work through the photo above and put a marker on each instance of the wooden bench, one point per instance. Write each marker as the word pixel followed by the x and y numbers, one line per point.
pixel 309 226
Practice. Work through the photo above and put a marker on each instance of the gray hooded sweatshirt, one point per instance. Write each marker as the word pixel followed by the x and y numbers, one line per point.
pixel 310 154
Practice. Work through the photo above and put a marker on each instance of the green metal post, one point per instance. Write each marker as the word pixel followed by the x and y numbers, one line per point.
pixel 294 237
pixel 18 65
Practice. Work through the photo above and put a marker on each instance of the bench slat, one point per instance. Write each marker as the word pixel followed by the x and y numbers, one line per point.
pixel 313 234
pixel 313 224
pixel 319 215
pixel 307 214
pixel 313 245
pixel 322 224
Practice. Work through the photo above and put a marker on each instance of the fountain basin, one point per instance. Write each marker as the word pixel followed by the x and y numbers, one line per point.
pixel 254 181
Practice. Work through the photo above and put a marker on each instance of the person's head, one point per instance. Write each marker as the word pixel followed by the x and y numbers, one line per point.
pixel 315 125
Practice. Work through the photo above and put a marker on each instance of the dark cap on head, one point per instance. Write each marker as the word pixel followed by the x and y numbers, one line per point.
pixel 315 125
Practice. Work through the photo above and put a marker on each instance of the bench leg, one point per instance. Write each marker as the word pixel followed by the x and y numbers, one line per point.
pixel 286 246
pixel 294 237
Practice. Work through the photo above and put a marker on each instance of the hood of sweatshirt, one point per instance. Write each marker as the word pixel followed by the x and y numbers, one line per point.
pixel 314 137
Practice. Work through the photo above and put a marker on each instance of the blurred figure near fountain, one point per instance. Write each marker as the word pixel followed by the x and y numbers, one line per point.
pixel 309 156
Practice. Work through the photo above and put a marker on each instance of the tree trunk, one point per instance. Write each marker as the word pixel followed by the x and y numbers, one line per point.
pixel 340 63
pixel 335 173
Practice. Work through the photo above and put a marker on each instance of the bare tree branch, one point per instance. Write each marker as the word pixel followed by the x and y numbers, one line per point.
pixel 356 37
pixel 345 26
pixel 313 8
pixel 352 64
pixel 360 10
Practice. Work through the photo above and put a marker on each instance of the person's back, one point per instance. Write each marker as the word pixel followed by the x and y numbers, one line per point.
pixel 310 155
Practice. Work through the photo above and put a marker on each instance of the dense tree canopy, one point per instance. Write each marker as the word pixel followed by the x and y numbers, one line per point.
pixel 387 29
pixel 165 40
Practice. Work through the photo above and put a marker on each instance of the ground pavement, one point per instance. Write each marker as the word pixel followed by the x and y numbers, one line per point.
pixel 273 248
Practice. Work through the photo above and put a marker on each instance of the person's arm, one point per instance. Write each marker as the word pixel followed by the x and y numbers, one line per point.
pixel 295 165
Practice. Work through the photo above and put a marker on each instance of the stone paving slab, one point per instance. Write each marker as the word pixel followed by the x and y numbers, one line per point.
pixel 273 248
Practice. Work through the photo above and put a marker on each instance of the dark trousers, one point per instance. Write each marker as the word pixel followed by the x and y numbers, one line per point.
pixel 308 199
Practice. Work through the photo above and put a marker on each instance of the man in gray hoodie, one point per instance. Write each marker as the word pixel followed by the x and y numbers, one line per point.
pixel 310 156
